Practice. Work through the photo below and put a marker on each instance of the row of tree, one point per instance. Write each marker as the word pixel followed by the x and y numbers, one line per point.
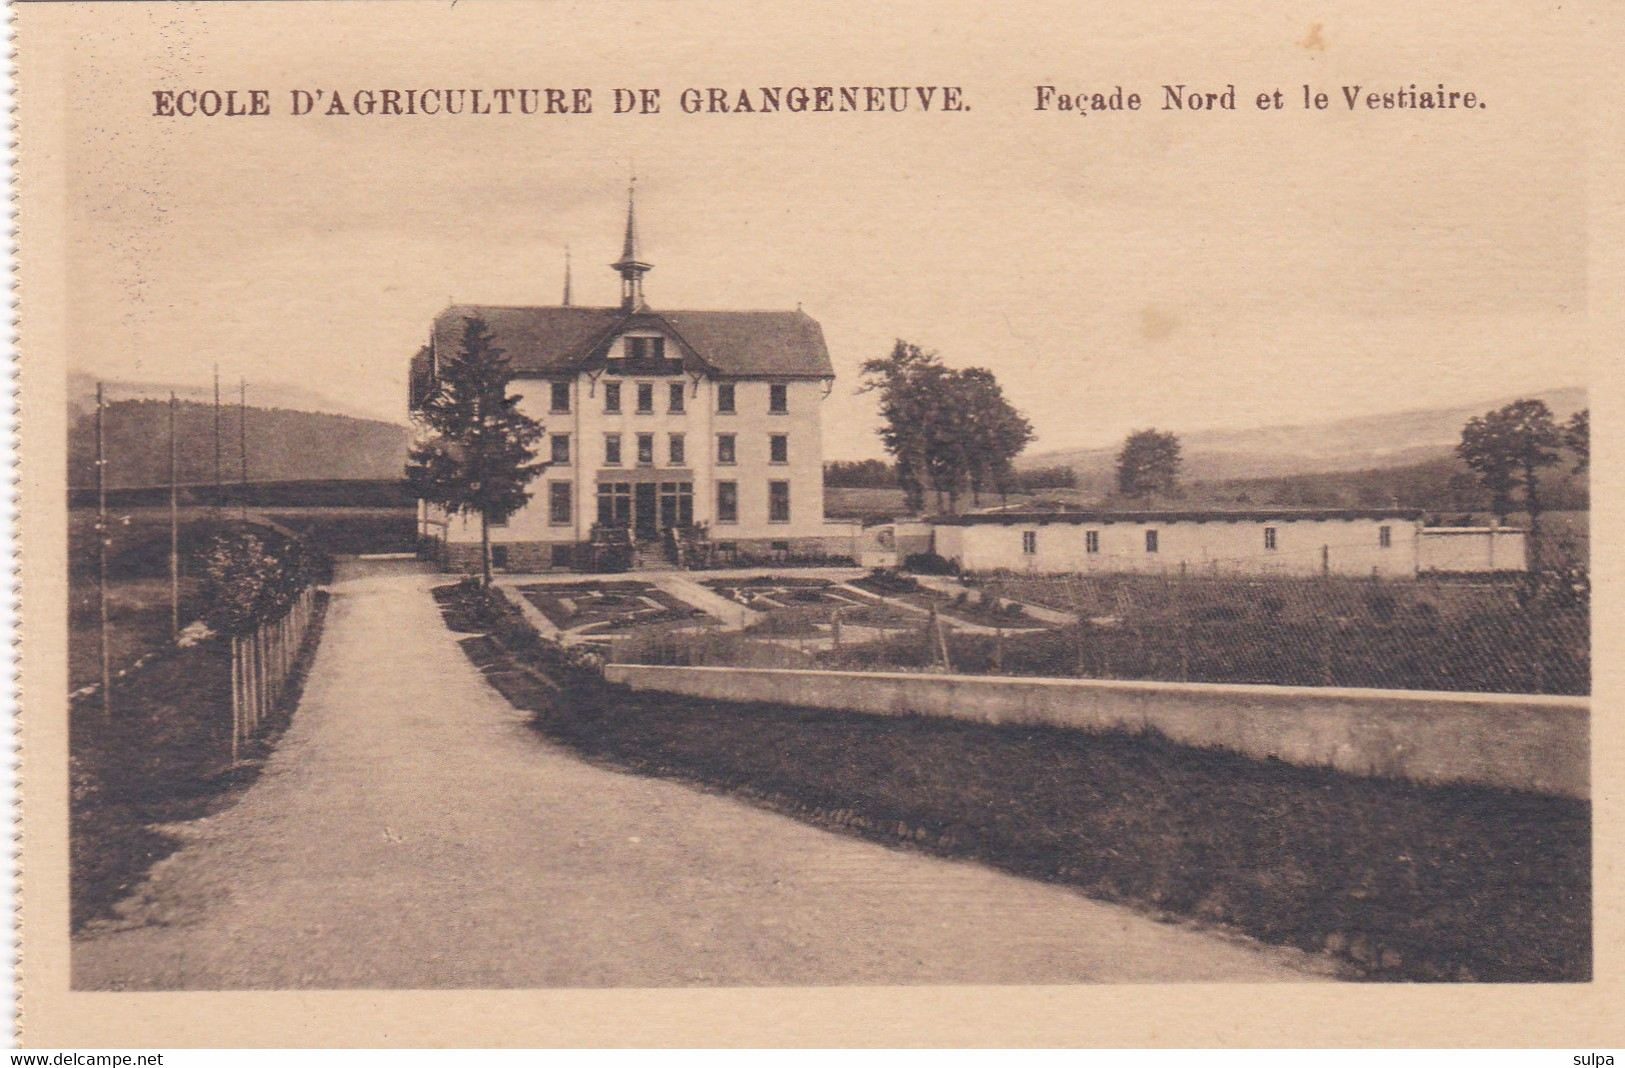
pixel 1509 449
pixel 882 474
pixel 949 430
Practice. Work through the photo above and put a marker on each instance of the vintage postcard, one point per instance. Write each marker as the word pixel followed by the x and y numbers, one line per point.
pixel 817 523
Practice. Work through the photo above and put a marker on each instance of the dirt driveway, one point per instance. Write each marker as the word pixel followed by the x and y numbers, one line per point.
pixel 412 831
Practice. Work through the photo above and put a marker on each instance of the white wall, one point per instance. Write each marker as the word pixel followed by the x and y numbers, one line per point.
pixel 1472 549
pixel 1351 546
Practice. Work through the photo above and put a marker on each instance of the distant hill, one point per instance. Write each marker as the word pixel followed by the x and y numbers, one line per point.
pixel 82 396
pixel 1359 443
pixel 283 444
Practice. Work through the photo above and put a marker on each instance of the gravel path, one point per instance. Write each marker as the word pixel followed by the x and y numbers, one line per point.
pixel 412 831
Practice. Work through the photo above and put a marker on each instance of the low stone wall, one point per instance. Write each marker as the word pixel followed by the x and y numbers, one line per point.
pixel 1534 743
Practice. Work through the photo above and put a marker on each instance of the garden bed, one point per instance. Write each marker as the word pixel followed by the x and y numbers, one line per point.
pixel 606 607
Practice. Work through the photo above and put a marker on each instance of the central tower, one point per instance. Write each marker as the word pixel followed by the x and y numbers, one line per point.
pixel 631 266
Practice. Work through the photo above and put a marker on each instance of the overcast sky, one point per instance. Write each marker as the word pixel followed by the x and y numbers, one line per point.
pixel 1182 271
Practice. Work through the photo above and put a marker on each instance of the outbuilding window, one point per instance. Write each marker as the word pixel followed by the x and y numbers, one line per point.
pixel 1150 541
pixel 1091 541
pixel 1269 537
pixel 1029 542
pixel 1385 537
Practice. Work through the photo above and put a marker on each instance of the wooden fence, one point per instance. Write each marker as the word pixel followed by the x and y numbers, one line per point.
pixel 261 662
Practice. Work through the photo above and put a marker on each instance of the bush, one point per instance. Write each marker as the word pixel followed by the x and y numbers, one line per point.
pixel 885 580
pixel 929 564
pixel 250 577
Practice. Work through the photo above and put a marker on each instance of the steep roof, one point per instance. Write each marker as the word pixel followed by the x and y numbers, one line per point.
pixel 552 339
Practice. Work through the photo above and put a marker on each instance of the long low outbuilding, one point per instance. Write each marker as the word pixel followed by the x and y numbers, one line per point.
pixel 1385 542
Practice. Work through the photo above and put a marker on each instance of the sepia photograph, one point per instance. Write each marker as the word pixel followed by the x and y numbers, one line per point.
pixel 522 501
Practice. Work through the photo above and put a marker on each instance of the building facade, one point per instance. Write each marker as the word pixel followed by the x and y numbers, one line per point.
pixel 656 422
pixel 1388 543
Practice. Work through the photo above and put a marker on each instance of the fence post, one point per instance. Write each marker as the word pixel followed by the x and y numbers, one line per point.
pixel 236 695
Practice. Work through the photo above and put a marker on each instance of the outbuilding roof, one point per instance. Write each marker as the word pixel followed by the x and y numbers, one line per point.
pixel 1104 516
pixel 547 340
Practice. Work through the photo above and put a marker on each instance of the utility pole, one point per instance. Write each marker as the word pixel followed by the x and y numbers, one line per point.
pixel 242 438
pixel 174 530
pixel 216 434
pixel 102 536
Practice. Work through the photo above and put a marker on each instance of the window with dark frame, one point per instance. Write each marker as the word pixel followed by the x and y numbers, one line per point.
pixel 676 449
pixel 615 504
pixel 727 502
pixel 612 450
pixel 1091 541
pixel 612 396
pixel 778 397
pixel 1385 537
pixel 1029 542
pixel 674 403
pixel 1150 541
pixel 725 397
pixel 646 450
pixel 1269 538
pixel 646 398
pixel 560 402
pixel 561 449
pixel 778 448
pixel 726 452
pixel 560 510
pixel 778 502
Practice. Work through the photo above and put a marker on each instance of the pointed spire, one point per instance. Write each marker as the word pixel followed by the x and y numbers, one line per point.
pixel 567 275
pixel 631 265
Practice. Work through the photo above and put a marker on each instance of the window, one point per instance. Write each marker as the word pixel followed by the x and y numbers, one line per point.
pixel 725 397
pixel 498 524
pixel 615 504
pixel 676 504
pixel 778 502
pixel 778 397
pixel 778 448
pixel 1091 541
pixel 499 556
pixel 1385 537
pixel 561 449
pixel 560 510
pixel 675 404
pixel 727 502
pixel 676 449
pixel 725 449
pixel 646 450
pixel 1269 537
pixel 612 450
pixel 646 348
pixel 612 396
pixel 646 398
pixel 561 397
pixel 779 546
pixel 1150 541
pixel 1029 542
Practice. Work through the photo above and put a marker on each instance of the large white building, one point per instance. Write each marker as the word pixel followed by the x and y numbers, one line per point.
pixel 656 421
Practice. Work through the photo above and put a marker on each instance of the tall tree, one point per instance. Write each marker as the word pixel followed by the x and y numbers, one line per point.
pixel 1507 449
pixel 1577 436
pixel 1148 463
pixel 476 448
pixel 903 381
